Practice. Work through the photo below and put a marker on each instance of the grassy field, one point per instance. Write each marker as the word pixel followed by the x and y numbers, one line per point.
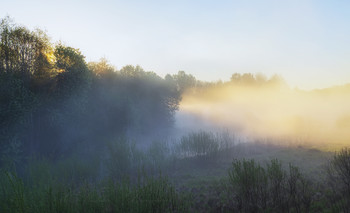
pixel 201 173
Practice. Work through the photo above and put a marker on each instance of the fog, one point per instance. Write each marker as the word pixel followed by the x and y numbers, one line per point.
pixel 317 117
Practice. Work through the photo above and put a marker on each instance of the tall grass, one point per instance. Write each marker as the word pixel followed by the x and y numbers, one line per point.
pixel 111 181
pixel 78 183
pixel 149 194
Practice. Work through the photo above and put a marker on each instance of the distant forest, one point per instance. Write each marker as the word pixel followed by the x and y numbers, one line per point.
pixel 53 103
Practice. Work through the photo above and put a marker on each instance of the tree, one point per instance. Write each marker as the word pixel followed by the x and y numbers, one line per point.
pixel 16 103
pixel 131 71
pixel 23 52
pixel 247 79
pixel 74 74
pixel 184 81
pixel 101 68
pixel 236 77
pixel 51 99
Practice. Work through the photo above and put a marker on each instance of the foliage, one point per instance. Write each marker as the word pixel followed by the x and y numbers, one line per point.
pixel 198 144
pixel 248 79
pixel 183 81
pixel 249 181
pixel 22 52
pixel 256 189
pixel 338 171
pixel 205 144
pixel 53 103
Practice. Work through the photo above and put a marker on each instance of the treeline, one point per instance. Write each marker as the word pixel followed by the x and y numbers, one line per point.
pixel 188 83
pixel 53 103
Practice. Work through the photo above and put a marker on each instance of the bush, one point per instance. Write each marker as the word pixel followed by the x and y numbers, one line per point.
pixel 277 180
pixel 198 144
pixel 255 188
pixel 339 179
pixel 249 181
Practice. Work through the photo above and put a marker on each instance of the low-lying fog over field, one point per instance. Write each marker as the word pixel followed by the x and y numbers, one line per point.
pixel 260 111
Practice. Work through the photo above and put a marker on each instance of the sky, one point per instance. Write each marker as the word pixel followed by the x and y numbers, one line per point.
pixel 306 42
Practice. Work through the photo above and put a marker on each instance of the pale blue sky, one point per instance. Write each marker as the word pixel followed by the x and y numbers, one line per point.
pixel 307 42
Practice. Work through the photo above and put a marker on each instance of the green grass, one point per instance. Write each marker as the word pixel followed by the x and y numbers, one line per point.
pixel 148 194
pixel 112 182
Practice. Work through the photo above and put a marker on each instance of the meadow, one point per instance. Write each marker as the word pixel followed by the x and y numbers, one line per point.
pixel 78 136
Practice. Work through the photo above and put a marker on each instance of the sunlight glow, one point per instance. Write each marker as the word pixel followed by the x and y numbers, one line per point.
pixel 315 117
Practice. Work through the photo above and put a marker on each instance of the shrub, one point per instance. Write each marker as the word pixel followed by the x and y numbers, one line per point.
pixel 198 144
pixel 338 171
pixel 299 190
pixel 249 181
pixel 255 188
pixel 277 180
